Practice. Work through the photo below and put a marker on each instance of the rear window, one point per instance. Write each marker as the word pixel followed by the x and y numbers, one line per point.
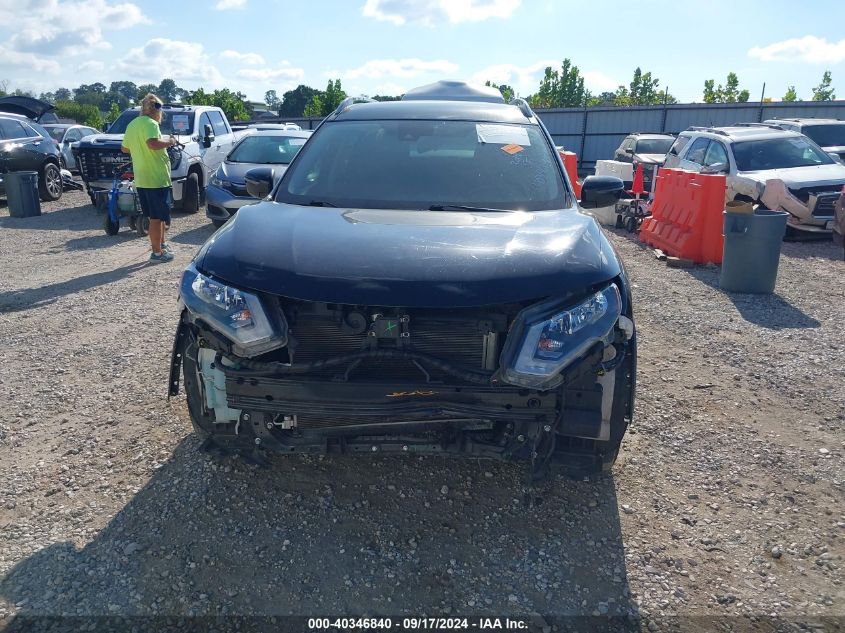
pixel 416 164
pixel 275 150
pixel 56 133
pixel 654 145
pixel 182 121
pixel 830 135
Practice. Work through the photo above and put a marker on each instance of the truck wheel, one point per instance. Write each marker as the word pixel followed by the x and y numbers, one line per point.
pixel 50 183
pixel 631 224
pixel 191 194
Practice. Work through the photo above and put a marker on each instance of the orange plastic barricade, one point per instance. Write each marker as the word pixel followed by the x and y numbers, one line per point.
pixel 686 216
pixel 570 162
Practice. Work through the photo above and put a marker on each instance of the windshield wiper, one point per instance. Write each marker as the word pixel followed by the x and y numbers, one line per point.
pixel 320 203
pixel 462 207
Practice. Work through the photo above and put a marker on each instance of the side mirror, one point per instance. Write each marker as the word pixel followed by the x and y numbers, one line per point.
pixel 715 168
pixel 629 150
pixel 208 136
pixel 601 191
pixel 259 181
pixel 835 157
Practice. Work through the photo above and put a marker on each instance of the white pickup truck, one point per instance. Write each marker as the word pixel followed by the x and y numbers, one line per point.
pixel 203 130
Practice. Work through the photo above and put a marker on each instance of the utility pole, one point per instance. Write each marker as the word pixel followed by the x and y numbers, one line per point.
pixel 762 96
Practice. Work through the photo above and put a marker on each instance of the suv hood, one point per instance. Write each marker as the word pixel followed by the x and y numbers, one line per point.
pixel 103 139
pixel 797 177
pixel 26 106
pixel 409 258
pixel 650 159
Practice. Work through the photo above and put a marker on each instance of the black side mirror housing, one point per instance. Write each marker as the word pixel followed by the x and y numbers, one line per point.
pixel 629 150
pixel 601 191
pixel 259 181
pixel 208 136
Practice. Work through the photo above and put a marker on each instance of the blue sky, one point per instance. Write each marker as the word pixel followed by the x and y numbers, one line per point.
pixel 388 46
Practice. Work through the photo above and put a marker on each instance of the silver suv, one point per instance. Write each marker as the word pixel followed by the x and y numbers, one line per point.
pixel 768 166
pixel 829 134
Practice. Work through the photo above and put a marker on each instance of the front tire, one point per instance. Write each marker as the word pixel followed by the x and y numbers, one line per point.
pixel 111 228
pixel 191 194
pixel 142 225
pixel 50 183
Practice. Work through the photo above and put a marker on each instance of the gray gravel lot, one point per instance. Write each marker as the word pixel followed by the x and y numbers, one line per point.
pixel 727 499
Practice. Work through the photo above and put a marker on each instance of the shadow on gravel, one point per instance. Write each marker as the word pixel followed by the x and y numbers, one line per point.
pixel 813 250
pixel 79 218
pixel 17 300
pixel 195 237
pixel 104 241
pixel 377 536
pixel 769 311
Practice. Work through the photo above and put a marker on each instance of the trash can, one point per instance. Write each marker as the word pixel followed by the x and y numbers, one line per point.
pixel 752 250
pixel 22 193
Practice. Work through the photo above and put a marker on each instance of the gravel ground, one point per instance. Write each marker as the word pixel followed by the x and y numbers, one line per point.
pixel 727 499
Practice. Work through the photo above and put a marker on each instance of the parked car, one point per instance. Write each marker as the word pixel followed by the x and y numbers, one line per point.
pixel 648 150
pixel 274 126
pixel 26 146
pixel 829 134
pixel 227 190
pixel 769 167
pixel 420 280
pixel 204 132
pixel 30 107
pixel 65 135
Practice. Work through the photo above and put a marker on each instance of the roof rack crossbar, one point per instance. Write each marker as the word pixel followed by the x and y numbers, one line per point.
pixel 712 130
pixel 773 126
pixel 349 101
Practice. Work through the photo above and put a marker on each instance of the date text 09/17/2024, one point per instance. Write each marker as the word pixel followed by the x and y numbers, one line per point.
pixel 419 624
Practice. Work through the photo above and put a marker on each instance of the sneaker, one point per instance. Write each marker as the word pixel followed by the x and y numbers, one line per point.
pixel 159 259
pixel 166 247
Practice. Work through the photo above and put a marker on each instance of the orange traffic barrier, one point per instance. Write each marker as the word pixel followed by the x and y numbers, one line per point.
pixel 570 163
pixel 686 216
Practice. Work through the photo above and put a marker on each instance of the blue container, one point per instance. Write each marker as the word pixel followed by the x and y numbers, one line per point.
pixel 752 250
pixel 22 193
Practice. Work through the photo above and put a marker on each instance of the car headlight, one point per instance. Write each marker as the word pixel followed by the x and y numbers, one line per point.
pixel 551 344
pixel 215 179
pixel 237 314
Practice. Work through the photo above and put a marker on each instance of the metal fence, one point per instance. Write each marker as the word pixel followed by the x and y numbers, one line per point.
pixel 595 133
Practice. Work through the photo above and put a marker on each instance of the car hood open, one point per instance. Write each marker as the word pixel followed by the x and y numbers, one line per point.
pixel 409 258
pixel 651 159
pixel 798 177
pixel 26 106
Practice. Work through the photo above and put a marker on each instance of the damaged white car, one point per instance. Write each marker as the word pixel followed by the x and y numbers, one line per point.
pixel 767 166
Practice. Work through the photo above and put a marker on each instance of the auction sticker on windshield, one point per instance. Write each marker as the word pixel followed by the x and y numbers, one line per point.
pixel 502 134
pixel 180 123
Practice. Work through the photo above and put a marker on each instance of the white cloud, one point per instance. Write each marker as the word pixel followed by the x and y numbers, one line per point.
pixel 27 62
pixel 526 79
pixel 431 12
pixel 252 59
pixel 223 5
pixel 92 66
pixel 267 74
pixel 378 68
pixel 599 82
pixel 53 28
pixel 390 89
pixel 811 49
pixel 161 57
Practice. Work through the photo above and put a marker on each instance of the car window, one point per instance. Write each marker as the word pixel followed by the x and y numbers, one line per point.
pixel 275 150
pixel 716 154
pixel 73 134
pixel 415 164
pixel 87 131
pixel 678 145
pixel 56 132
pixel 827 135
pixel 218 123
pixel 628 142
pixel 654 145
pixel 12 129
pixel 169 119
pixel 696 152
pixel 778 153
pixel 205 120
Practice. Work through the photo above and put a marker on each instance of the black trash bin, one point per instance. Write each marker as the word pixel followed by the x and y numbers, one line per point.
pixel 22 193
pixel 752 250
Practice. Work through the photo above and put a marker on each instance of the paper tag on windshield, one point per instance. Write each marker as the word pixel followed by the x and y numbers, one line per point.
pixel 180 123
pixel 502 134
pixel 296 142
pixel 512 149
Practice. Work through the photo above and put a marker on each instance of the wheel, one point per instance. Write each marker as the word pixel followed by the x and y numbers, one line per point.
pixel 631 224
pixel 62 162
pixel 132 223
pixel 218 223
pixel 142 225
pixel 110 227
pixel 50 183
pixel 191 194
pixel 619 221
pixel 93 199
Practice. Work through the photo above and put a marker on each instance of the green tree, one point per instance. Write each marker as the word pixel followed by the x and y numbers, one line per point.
pixel 113 113
pixel 507 92
pixel 605 98
pixel 560 89
pixel 729 93
pixel 295 101
pixel 49 97
pixel 824 91
pixel 126 88
pixel 168 91
pixel 232 103
pixel 81 113
pixel 790 95
pixel 114 98
pixel 643 89
pixel 144 90
pixel 272 99
pixel 386 98
pixel 332 97
pixel 63 94
pixel 314 108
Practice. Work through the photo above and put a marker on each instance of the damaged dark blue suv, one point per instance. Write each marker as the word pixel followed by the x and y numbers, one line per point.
pixel 419 280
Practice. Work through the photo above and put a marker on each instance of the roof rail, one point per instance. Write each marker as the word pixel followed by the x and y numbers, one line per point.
pixel 712 130
pixel 768 125
pixel 523 106
pixel 349 101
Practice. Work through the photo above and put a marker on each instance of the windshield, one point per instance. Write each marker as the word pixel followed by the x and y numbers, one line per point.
pixel 654 145
pixel 831 135
pixel 418 164
pixel 182 121
pixel 56 132
pixel 275 150
pixel 778 153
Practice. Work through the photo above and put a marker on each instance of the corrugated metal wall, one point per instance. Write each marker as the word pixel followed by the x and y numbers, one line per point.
pixel 595 133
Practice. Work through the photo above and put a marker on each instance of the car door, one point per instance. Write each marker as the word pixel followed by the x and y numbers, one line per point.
pixel 19 148
pixel 223 138
pixel 71 136
pixel 693 158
